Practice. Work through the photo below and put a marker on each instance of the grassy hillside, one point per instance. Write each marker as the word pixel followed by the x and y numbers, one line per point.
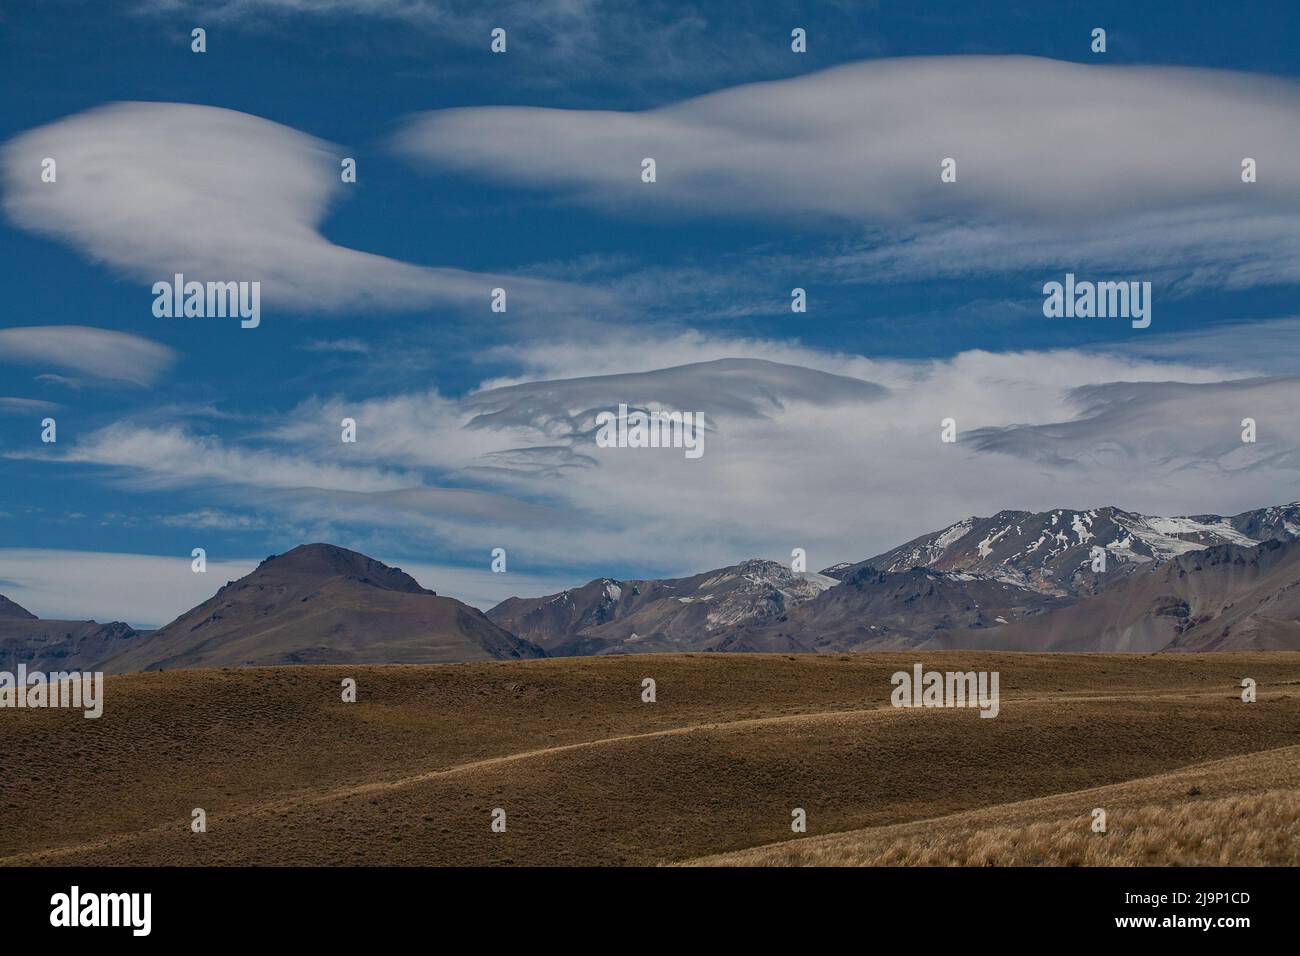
pixel 587 773
pixel 1237 811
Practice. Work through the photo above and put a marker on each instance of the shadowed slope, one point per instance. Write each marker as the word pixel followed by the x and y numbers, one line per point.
pixel 8 609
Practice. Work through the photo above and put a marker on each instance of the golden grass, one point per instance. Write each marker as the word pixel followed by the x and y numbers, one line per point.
pixel 1257 829
pixel 1244 811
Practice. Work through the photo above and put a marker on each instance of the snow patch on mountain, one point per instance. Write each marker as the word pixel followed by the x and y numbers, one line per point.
pixel 986 546
pixel 952 535
pixel 1163 535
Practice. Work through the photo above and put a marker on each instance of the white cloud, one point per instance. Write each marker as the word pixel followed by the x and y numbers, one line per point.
pixel 155 189
pixel 842 458
pixel 1103 161
pixel 100 353
pixel 1181 251
pixel 1167 433
pixel 835 453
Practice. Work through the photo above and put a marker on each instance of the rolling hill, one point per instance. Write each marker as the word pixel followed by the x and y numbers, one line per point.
pixel 589 774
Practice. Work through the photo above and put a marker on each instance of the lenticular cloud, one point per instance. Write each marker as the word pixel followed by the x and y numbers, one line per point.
pixel 1031 137
pixel 1039 145
pixel 154 189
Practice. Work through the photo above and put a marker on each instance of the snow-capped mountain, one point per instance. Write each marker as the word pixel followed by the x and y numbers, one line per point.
pixel 1051 551
pixel 610 616
pixel 1018 580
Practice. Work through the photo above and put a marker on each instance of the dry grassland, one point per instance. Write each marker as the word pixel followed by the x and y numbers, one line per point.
pixel 588 774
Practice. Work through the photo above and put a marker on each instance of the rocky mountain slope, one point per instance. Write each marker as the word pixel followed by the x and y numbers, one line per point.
pixel 888 610
pixel 1228 597
pixel 607 616
pixel 47 645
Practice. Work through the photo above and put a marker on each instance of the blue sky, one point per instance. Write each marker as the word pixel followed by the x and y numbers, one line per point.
pixel 183 433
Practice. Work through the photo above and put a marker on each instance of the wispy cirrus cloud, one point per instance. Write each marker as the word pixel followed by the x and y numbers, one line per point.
pixel 838 454
pixel 10 405
pixel 341 346
pixel 171 456
pixel 648 44
pixel 1257 349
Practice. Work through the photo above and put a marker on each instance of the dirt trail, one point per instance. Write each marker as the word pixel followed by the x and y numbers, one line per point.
pixel 268 808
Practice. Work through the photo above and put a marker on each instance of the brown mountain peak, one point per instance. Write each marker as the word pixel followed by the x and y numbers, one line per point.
pixel 320 562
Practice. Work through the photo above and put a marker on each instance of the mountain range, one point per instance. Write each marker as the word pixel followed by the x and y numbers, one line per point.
pixel 1049 551
pixel 1005 582
pixel 48 645
pixel 1015 581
